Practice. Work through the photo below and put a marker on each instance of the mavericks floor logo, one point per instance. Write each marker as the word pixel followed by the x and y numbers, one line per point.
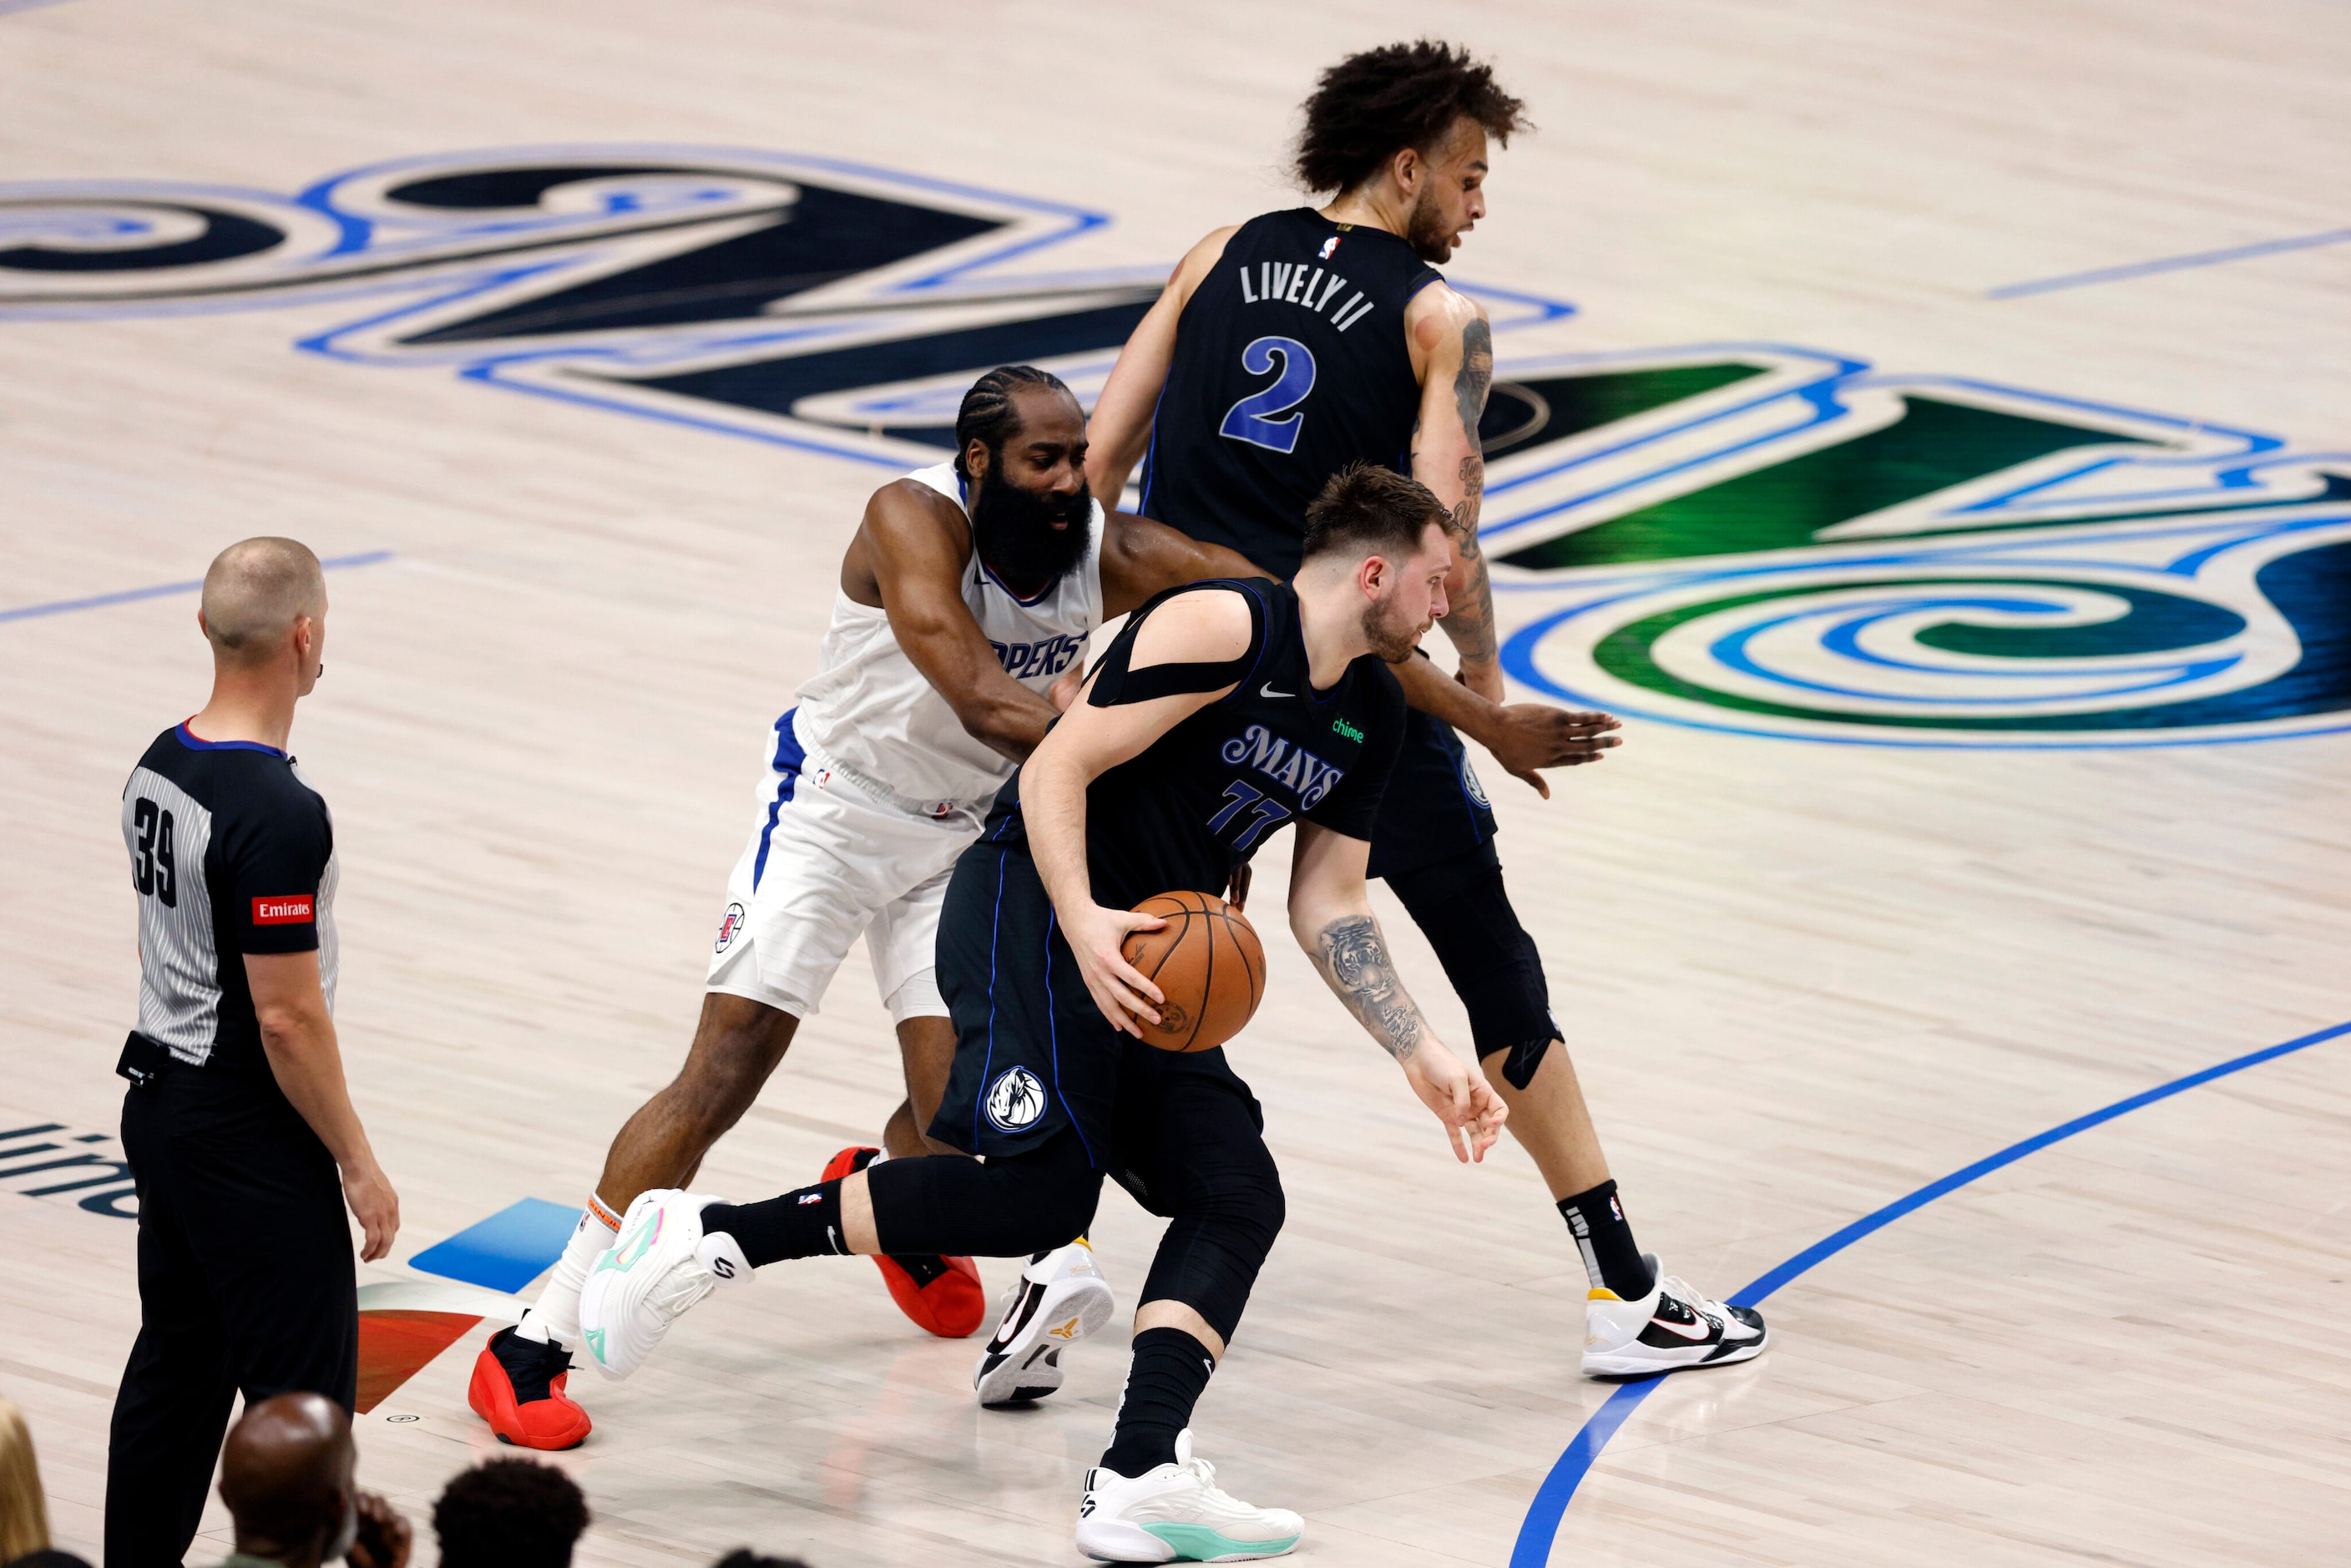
pixel 1758 538
pixel 1777 541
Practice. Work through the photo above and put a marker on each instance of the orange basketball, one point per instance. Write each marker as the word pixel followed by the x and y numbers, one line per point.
pixel 1209 964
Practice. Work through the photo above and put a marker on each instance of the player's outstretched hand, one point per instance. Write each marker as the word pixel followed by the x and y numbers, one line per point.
pixel 1457 1091
pixel 1526 737
pixel 1098 935
pixel 1236 888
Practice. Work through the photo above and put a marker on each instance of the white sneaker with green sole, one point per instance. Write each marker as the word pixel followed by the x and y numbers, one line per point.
pixel 1174 1513
pixel 661 1265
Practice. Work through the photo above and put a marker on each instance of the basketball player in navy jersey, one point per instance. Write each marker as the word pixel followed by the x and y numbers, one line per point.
pixel 1282 350
pixel 1224 714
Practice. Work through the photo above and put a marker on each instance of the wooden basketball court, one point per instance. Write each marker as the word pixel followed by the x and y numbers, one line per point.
pixel 1926 424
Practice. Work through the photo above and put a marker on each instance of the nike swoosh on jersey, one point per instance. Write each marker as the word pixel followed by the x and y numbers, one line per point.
pixel 1267 691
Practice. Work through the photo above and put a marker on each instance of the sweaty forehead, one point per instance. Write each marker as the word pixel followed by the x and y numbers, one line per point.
pixel 1047 415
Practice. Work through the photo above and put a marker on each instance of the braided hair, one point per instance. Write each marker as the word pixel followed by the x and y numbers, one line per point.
pixel 988 415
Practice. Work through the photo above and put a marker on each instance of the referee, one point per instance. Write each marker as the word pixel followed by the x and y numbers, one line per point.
pixel 239 1129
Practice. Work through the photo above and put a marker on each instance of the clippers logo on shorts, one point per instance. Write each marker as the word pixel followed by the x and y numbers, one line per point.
pixel 729 929
pixel 295 910
pixel 1015 1100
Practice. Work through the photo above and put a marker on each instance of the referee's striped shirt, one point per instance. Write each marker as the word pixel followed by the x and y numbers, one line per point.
pixel 231 852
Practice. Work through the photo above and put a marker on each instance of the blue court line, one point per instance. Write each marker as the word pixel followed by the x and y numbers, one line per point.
pixel 2165 263
pixel 506 1251
pixel 162 589
pixel 1541 1524
pixel 7 7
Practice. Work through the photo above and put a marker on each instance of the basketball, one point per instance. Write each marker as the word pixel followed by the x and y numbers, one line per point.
pixel 1209 964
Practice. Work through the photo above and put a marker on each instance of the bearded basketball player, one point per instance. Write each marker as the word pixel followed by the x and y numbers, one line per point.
pixel 967 594
pixel 1280 351
pixel 1224 713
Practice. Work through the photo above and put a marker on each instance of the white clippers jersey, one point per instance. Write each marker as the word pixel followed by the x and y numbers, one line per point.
pixel 870 709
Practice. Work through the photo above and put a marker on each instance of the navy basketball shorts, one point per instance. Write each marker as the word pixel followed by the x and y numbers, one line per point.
pixel 1034 1054
pixel 1434 810
pixel 1434 844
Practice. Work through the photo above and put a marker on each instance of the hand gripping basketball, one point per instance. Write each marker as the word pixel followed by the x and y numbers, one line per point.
pixel 1207 964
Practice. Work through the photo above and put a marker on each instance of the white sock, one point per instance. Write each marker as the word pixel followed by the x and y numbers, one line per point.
pixel 555 1316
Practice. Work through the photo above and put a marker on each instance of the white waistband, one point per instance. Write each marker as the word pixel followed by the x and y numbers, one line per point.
pixel 815 761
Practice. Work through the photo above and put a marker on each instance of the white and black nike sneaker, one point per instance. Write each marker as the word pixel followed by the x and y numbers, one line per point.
pixel 1671 1328
pixel 1060 1298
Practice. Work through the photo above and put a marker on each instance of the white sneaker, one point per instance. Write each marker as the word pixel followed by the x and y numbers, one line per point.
pixel 1670 1328
pixel 1174 1513
pixel 645 1281
pixel 1058 1299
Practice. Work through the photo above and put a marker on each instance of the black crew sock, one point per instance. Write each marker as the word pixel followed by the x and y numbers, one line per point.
pixel 1611 1256
pixel 1170 1372
pixel 803 1224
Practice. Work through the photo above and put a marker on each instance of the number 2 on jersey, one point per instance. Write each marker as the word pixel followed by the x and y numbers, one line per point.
pixel 1253 419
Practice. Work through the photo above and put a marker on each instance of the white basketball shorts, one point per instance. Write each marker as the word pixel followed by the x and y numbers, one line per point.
pixel 831 858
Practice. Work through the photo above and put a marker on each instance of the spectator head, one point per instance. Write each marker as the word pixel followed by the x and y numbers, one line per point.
pixel 23 1512
pixel 509 1513
pixel 286 1475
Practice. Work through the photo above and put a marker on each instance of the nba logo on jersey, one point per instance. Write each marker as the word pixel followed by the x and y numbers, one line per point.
pixel 729 927
pixel 1328 246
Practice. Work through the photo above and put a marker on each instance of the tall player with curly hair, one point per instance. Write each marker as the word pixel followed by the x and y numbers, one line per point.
pixel 1285 349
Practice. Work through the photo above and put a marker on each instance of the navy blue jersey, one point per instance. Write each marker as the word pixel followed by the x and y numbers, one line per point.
pixel 1289 364
pixel 1199 800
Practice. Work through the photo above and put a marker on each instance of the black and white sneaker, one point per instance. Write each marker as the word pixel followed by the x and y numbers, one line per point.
pixel 1060 1298
pixel 1671 1328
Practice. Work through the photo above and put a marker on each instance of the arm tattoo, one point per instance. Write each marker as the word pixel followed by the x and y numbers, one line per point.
pixel 1354 961
pixel 1473 499
pixel 1476 375
pixel 1470 622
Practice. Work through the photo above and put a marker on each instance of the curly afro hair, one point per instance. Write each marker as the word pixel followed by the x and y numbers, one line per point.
pixel 1370 106
pixel 509 1513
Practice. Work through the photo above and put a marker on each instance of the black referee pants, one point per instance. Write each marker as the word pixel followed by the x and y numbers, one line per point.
pixel 245 1284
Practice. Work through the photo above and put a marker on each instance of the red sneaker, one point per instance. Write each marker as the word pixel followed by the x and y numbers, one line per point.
pixel 518 1388
pixel 942 1295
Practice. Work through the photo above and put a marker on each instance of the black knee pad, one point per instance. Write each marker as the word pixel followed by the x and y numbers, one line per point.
pixel 1060 1213
pixel 1464 910
pixel 1218 1239
pixel 1006 1207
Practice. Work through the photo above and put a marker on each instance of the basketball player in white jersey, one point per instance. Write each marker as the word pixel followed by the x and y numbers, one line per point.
pixel 964 604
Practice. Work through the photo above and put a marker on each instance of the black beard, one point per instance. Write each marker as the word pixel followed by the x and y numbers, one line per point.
pixel 1425 231
pixel 1013 530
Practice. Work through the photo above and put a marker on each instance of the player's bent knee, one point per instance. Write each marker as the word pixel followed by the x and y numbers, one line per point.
pixel 1042 1209
pixel 1519 1062
pixel 1256 1211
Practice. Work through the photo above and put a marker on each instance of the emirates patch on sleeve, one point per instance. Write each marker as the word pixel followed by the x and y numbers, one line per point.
pixel 294 910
